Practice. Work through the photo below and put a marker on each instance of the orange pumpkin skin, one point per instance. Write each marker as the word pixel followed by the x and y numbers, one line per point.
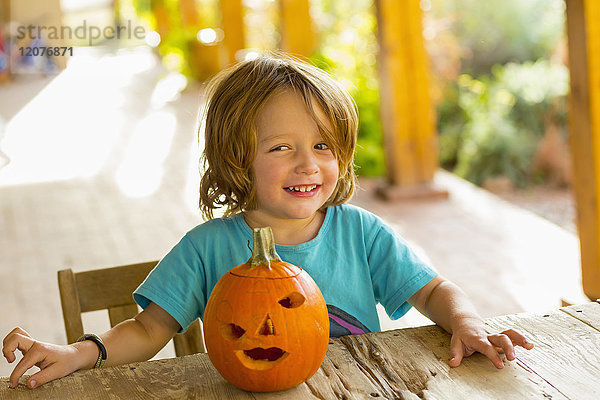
pixel 266 327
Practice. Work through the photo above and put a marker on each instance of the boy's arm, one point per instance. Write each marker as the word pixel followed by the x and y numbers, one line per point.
pixel 448 306
pixel 132 340
pixel 147 333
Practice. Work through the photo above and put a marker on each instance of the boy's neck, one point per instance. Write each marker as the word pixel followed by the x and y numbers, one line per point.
pixel 288 231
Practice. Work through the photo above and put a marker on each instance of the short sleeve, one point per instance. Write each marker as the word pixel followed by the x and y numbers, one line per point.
pixel 396 272
pixel 177 284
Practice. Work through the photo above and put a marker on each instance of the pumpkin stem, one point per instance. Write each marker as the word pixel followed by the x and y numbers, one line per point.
pixel 263 251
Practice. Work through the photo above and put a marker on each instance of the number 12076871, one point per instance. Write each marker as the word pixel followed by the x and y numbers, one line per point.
pixel 45 51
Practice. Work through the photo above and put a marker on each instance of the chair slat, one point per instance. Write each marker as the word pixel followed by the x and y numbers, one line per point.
pixel 191 341
pixel 112 289
pixel 69 301
pixel 121 313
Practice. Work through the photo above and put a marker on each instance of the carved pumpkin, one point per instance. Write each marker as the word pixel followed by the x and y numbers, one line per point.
pixel 266 325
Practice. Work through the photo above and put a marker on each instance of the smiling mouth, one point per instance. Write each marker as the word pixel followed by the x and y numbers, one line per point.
pixel 302 188
pixel 261 359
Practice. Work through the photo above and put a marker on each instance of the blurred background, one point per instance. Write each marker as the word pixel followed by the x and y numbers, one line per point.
pixel 99 144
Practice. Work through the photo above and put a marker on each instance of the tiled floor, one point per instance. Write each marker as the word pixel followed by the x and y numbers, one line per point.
pixel 103 172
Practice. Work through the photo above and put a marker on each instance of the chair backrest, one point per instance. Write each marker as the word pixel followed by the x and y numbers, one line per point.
pixel 112 288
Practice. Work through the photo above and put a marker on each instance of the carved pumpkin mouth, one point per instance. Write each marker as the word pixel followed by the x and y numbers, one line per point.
pixel 261 359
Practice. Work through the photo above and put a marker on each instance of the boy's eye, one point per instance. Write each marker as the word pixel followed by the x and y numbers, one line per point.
pixel 280 147
pixel 321 146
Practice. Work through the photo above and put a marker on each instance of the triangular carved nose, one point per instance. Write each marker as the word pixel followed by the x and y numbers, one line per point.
pixel 266 327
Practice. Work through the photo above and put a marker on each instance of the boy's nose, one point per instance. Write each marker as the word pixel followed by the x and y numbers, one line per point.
pixel 307 165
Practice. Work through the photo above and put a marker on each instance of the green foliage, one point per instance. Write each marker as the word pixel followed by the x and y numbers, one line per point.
pixel 493 115
pixel 142 7
pixel 490 126
pixel 499 31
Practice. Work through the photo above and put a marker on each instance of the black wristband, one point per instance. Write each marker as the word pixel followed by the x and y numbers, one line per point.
pixel 96 339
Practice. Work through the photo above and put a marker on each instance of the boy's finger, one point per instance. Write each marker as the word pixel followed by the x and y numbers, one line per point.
pixel 504 343
pixel 46 375
pixel 14 342
pixel 28 361
pixel 518 339
pixel 17 330
pixel 456 352
pixel 8 354
pixel 489 351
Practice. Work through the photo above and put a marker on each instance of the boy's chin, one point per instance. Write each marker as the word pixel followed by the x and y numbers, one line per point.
pixel 306 214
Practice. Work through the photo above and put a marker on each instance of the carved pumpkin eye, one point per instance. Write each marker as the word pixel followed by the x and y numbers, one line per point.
pixel 292 300
pixel 232 331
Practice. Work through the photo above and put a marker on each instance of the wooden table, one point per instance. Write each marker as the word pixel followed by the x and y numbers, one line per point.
pixel 407 364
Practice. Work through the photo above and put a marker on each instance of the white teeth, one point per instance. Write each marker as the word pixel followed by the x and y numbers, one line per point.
pixel 301 188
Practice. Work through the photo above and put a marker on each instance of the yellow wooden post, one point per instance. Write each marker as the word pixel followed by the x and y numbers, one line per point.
pixel 233 27
pixel 4 20
pixel 161 16
pixel 297 33
pixel 189 13
pixel 407 113
pixel 583 30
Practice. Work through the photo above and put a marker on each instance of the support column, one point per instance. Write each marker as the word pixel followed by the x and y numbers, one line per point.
pixel 161 17
pixel 407 113
pixel 233 27
pixel 189 13
pixel 583 30
pixel 297 32
pixel 4 75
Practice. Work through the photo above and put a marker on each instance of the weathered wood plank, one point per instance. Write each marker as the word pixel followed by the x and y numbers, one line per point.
pixel 299 392
pixel 375 366
pixel 587 313
pixel 420 366
pixel 340 376
pixel 566 353
pixel 188 377
pixel 402 364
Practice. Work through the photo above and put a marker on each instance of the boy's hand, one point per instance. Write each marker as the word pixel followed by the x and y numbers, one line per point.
pixel 470 336
pixel 54 361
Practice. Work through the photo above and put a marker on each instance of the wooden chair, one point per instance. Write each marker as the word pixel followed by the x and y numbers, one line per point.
pixel 112 288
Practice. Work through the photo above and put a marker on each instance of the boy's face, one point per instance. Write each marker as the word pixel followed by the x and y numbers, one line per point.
pixel 295 171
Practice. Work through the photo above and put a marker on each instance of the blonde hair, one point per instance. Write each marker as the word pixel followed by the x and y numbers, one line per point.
pixel 235 97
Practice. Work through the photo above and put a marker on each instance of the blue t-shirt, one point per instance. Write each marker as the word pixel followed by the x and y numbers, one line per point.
pixel 356 260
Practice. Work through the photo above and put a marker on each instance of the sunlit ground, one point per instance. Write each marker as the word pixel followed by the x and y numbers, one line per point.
pixel 74 125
